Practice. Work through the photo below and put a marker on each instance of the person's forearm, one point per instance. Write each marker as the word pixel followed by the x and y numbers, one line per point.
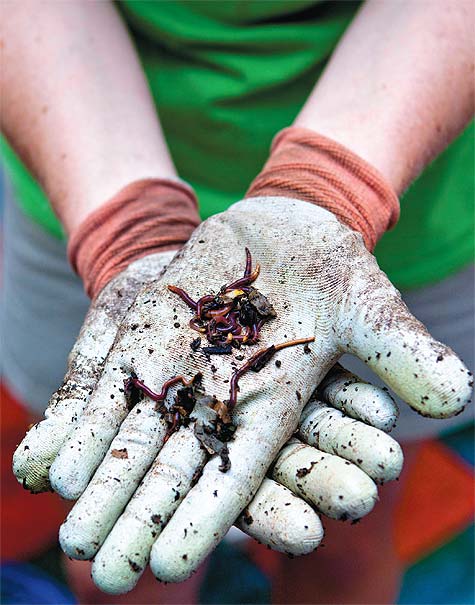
pixel 76 105
pixel 399 86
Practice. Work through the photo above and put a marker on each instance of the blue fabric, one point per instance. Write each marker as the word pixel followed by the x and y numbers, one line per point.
pixel 24 584
pixel 443 578
pixel 231 577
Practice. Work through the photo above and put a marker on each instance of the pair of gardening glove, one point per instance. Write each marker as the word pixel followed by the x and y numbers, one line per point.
pixel 309 437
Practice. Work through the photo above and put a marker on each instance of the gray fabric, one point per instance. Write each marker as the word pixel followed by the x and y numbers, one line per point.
pixel 44 306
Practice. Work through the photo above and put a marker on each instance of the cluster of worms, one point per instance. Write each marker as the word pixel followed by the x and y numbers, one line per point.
pixel 228 319
pixel 235 315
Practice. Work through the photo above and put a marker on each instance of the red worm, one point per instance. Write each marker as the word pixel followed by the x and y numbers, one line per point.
pixel 184 296
pixel 244 281
pixel 202 301
pixel 221 324
pixel 195 325
pixel 221 311
pixel 247 270
pixel 158 397
pixel 175 425
pixel 252 361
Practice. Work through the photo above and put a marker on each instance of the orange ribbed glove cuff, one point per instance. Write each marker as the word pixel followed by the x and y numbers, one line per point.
pixel 147 216
pixel 308 166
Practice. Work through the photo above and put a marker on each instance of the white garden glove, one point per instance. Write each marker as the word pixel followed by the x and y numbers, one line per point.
pixel 322 282
pixel 294 529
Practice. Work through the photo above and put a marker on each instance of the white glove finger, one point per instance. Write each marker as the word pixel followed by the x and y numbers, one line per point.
pixel 329 430
pixel 334 486
pixel 129 456
pixel 216 501
pixel 90 439
pixel 125 553
pixel 40 446
pixel 379 328
pixel 360 400
pixel 37 451
pixel 277 518
pixel 339 489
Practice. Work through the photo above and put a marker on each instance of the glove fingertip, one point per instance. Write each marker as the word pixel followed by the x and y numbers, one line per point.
pixel 73 545
pixel 63 483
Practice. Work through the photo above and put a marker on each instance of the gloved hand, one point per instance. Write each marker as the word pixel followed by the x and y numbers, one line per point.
pixel 275 516
pixel 322 282
pixel 320 248
pixel 296 529
pixel 132 230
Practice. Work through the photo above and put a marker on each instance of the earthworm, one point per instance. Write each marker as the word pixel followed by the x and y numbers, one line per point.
pixel 256 362
pixel 247 270
pixel 184 296
pixel 244 281
pixel 157 397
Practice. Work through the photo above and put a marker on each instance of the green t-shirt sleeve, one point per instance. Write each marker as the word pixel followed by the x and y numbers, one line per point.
pixel 28 193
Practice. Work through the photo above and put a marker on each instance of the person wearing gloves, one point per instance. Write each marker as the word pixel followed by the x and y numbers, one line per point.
pixel 78 112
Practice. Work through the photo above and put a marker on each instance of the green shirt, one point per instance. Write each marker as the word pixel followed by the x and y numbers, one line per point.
pixel 226 76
